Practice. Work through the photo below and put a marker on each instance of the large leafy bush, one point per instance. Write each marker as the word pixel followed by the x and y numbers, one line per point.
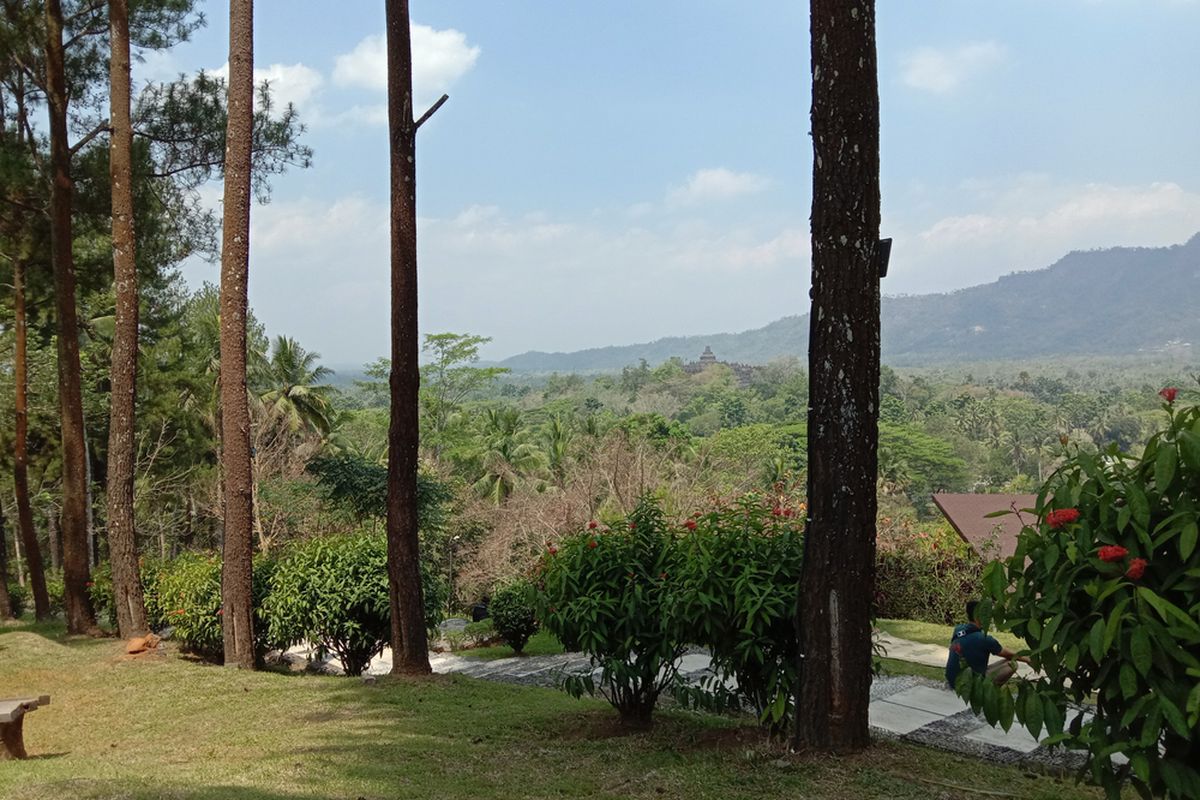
pixel 927 574
pixel 1105 588
pixel 604 591
pixel 512 613
pixel 735 592
pixel 187 597
pixel 333 591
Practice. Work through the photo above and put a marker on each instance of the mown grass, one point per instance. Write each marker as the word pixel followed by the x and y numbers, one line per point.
pixel 929 633
pixel 169 727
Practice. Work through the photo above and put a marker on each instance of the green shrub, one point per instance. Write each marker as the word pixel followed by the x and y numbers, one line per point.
pixel 100 590
pixel 56 590
pixel 926 575
pixel 513 615
pixel 1104 587
pixel 479 634
pixel 605 592
pixel 333 591
pixel 735 592
pixel 19 598
pixel 187 596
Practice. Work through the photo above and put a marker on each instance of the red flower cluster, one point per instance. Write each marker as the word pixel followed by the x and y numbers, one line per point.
pixel 220 612
pixel 690 524
pixel 1168 394
pixel 787 512
pixel 1062 517
pixel 777 511
pixel 1137 568
pixel 551 549
pixel 1112 552
pixel 633 526
pixel 592 543
pixel 592 525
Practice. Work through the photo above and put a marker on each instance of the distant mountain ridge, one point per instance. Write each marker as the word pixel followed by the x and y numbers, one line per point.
pixel 1118 301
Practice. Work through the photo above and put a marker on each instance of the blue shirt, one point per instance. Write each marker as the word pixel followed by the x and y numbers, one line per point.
pixel 969 643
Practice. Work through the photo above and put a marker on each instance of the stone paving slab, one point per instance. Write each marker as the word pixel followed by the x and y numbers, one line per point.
pixel 894 718
pixel 929 699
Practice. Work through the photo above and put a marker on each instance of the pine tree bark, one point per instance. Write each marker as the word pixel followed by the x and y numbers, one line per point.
pixel 237 478
pixel 77 604
pixel 409 637
pixel 26 532
pixel 122 536
pixel 836 586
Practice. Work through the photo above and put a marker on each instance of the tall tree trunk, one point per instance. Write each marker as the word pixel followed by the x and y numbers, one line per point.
pixel 843 430
pixel 27 534
pixel 409 638
pixel 237 571
pixel 122 537
pixel 76 602
pixel 5 600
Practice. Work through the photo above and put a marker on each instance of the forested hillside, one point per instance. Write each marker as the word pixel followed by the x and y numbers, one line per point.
pixel 1099 302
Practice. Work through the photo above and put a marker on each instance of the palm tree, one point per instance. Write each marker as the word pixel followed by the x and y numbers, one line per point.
pixel 510 456
pixel 557 437
pixel 293 393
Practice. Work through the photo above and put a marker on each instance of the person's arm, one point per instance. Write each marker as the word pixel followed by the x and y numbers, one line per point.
pixel 1009 655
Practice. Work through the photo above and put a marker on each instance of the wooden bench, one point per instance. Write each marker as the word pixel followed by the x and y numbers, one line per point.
pixel 12 724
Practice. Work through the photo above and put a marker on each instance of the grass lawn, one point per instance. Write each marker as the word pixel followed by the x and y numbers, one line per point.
pixel 168 727
pixel 541 643
pixel 929 633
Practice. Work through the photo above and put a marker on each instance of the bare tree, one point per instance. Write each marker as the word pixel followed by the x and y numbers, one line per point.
pixel 409 638
pixel 237 475
pixel 843 429
pixel 122 537
pixel 80 618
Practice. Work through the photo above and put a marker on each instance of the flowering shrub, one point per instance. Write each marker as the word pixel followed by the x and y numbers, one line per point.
pixel 604 591
pixel 333 591
pixel 1105 589
pixel 735 592
pixel 926 575
pixel 100 589
pixel 512 613
pixel 187 597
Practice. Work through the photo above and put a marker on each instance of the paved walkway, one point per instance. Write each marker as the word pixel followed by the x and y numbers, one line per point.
pixel 904 707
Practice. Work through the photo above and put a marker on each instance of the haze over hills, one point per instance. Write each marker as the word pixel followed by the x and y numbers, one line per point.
pixel 1120 301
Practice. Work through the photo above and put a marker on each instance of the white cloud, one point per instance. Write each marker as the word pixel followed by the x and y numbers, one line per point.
pixel 440 57
pixel 1032 223
pixel 941 71
pixel 290 83
pixel 716 184
pixel 599 279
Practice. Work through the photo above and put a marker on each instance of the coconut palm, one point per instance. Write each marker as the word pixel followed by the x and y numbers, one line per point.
pixel 292 390
pixel 510 456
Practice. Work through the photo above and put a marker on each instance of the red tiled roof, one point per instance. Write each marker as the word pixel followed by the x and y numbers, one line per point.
pixel 995 536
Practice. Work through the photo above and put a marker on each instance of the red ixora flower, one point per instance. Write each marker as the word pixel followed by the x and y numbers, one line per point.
pixel 690 524
pixel 1062 517
pixel 179 611
pixel 777 511
pixel 592 544
pixel 90 584
pixel 220 612
pixel 1137 568
pixel 1168 394
pixel 787 512
pixel 551 549
pixel 1112 552
pixel 633 526
pixel 592 525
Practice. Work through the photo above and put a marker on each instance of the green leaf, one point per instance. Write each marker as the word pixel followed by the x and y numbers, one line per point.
pixel 1189 446
pixel 1164 467
pixel 1174 717
pixel 1129 682
pixel 1139 649
pixel 1032 718
pixel 1007 709
pixel 1139 506
pixel 1166 609
pixel 1187 540
pixel 1096 640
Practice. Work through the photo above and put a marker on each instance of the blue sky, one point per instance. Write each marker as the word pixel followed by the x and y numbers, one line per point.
pixel 607 173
